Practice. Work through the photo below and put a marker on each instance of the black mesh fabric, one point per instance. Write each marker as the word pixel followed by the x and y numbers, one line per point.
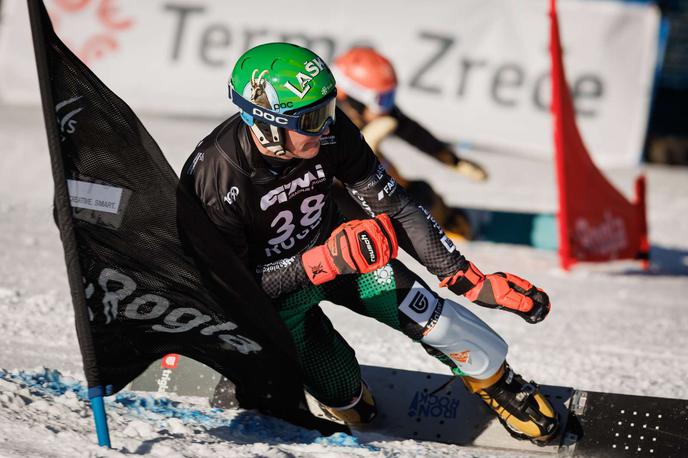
pixel 139 290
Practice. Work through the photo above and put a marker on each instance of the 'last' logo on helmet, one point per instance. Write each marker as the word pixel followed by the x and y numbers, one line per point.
pixel 313 67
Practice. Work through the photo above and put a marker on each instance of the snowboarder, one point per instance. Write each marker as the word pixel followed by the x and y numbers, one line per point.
pixel 366 92
pixel 264 177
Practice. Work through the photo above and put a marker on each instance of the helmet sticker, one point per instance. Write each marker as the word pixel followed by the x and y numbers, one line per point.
pixel 303 82
pixel 313 67
pixel 260 92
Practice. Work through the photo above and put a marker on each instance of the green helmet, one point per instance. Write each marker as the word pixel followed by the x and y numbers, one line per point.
pixel 283 86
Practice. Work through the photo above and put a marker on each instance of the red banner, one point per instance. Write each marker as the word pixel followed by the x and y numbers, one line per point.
pixel 596 222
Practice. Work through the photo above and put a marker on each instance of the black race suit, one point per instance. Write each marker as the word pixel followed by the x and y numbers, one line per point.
pixel 272 210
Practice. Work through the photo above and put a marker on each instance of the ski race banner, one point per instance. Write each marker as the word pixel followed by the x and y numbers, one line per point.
pixel 596 222
pixel 141 287
pixel 474 71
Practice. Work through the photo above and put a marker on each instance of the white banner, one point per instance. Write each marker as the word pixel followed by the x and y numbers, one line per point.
pixel 475 71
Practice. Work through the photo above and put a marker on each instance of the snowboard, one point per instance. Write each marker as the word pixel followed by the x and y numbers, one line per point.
pixel 538 230
pixel 436 407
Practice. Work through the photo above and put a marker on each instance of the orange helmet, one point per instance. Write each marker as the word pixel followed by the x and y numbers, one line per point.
pixel 366 76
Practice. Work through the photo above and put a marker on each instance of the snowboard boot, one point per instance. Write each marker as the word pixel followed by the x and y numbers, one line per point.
pixel 360 412
pixel 520 406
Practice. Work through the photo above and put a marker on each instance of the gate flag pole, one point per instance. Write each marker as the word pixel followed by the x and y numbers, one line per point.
pixel 40 24
pixel 596 222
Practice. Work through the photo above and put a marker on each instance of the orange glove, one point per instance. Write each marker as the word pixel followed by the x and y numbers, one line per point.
pixel 357 246
pixel 500 290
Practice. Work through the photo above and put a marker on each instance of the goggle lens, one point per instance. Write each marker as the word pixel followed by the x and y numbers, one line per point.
pixel 385 101
pixel 315 121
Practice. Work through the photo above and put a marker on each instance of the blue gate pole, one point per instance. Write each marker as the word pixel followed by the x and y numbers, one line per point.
pixel 95 395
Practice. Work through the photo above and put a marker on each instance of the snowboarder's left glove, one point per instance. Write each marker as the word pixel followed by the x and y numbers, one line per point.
pixel 357 246
pixel 500 290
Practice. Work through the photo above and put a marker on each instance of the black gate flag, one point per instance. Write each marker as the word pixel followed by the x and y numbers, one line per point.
pixel 138 290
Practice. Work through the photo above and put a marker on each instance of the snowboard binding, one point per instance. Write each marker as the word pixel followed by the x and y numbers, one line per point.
pixel 362 411
pixel 519 405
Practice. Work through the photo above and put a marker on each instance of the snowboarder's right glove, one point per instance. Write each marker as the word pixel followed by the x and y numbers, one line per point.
pixel 357 246
pixel 500 290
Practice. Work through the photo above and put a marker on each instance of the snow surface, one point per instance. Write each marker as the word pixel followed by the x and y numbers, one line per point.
pixel 612 328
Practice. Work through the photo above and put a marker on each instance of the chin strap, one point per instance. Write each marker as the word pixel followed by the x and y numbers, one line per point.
pixel 270 137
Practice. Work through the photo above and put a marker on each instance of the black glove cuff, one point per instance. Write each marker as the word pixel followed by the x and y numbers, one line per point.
pixel 461 286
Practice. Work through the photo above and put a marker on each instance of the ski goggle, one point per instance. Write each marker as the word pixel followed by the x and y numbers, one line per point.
pixel 311 120
pixel 384 102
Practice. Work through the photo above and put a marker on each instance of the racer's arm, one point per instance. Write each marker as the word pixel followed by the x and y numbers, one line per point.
pixel 377 193
pixel 417 231
pixel 418 136
pixel 424 239
pixel 415 134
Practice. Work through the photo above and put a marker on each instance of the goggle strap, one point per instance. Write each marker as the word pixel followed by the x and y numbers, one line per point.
pixel 280 120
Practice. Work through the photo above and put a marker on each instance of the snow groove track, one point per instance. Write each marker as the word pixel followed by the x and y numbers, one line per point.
pixel 59 404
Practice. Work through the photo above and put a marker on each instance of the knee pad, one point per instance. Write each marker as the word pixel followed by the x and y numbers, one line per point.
pixel 472 345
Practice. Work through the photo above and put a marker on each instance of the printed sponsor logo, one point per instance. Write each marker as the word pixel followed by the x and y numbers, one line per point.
pixel 285 192
pixel 164 380
pixel 362 202
pixel 367 247
pixel 275 266
pixel 328 140
pixel 375 189
pixel 94 196
pixel 446 242
pixel 160 312
pixel 384 275
pixel 313 67
pixel 170 361
pixel 436 314
pixel 380 173
pixel 388 189
pixel 317 270
pixel 607 238
pixel 433 406
pixel 462 357
pixel 282 105
pixel 269 116
pixel 198 158
pixel 66 111
pixel 232 195
pixel 419 304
